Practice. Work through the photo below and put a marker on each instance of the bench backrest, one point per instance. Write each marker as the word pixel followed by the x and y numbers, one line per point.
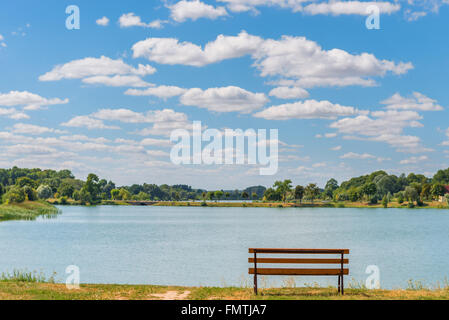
pixel 338 260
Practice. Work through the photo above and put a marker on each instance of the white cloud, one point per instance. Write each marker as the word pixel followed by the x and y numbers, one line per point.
pixel 337 8
pixel 163 92
pixel 416 102
pixel 32 129
pixel 301 61
pixel 155 142
pixel 117 81
pixel 98 70
pixel 289 93
pixel 103 21
pixel 13 113
pixel 225 99
pixel 87 122
pixel 171 51
pixel 309 109
pixel 30 101
pixel 336 148
pixel 128 20
pixel 157 24
pixel 384 126
pixel 414 160
pixel 362 156
pixel 250 5
pixel 184 10
pixel 353 155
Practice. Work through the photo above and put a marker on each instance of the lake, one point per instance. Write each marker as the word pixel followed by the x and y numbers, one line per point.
pixel 195 246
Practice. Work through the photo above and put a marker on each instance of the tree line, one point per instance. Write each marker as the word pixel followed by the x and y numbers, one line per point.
pixel 373 188
pixel 19 184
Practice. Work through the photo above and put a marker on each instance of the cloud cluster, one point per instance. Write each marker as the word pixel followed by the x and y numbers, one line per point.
pixel 297 60
pixel 163 121
pixel 384 126
pixel 337 8
pixel 194 10
pixel 417 101
pixel 309 109
pixel 129 20
pixel 223 99
pixel 103 70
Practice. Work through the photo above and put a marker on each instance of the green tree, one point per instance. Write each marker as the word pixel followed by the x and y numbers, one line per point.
pixel 44 192
pixel 330 187
pixel 441 177
pixel 25 181
pixel 124 194
pixel 283 188
pixel 271 195
pixel 426 192
pixel 66 190
pixel 369 189
pixel 385 202
pixel 245 195
pixel 91 187
pixel 30 193
pixel 312 191
pixel 142 196
pixel 115 194
pixel 411 194
pixel 218 194
pixel 438 190
pixel 14 195
pixel 299 193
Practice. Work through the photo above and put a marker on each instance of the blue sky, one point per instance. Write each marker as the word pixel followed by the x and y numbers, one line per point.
pixel 346 100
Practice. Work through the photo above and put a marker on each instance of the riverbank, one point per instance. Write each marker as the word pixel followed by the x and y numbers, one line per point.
pixel 26 211
pixel 259 204
pixel 50 291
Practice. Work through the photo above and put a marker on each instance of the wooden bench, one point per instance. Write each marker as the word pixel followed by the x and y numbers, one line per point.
pixel 339 271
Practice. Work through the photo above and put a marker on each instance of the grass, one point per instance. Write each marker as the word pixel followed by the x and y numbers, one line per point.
pixel 26 211
pixel 23 290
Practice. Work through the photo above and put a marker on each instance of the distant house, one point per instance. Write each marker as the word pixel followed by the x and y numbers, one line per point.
pixel 446 192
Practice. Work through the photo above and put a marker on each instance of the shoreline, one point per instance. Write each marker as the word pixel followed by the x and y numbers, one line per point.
pixel 20 290
pixel 256 204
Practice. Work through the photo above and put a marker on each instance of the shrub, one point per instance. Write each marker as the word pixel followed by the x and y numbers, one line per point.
pixel 373 200
pixel 400 197
pixel 30 193
pixel 76 195
pixel 63 201
pixel 410 205
pixel 44 192
pixel 385 202
pixel 14 195
pixel 203 204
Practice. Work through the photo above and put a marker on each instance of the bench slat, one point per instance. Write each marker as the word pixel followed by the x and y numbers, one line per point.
pixel 305 261
pixel 306 251
pixel 299 272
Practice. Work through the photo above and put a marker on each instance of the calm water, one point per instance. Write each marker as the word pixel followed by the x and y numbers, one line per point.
pixel 208 246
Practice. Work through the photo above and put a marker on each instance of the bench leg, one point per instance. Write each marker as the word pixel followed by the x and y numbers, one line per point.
pixel 255 284
pixel 339 283
pixel 342 286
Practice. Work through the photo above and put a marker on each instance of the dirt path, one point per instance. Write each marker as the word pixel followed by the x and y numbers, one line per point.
pixel 172 295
